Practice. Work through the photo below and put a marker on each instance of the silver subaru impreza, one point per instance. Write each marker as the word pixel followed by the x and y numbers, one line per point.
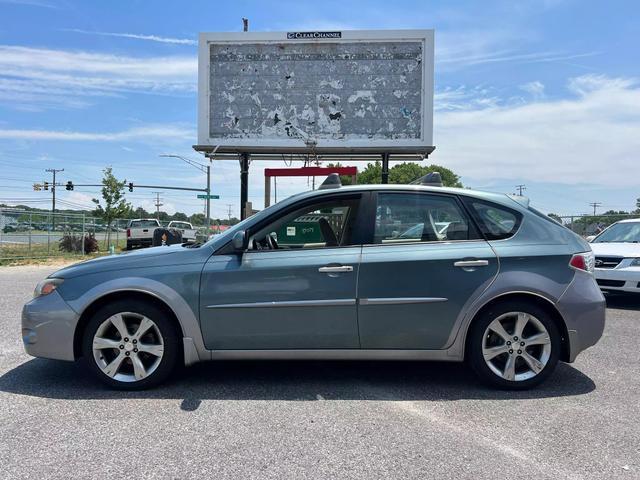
pixel 406 272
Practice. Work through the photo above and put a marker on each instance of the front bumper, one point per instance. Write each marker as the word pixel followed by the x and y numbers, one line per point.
pixel 583 308
pixel 48 326
pixel 621 279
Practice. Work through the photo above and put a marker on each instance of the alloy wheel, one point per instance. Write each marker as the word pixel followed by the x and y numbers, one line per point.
pixel 128 347
pixel 516 346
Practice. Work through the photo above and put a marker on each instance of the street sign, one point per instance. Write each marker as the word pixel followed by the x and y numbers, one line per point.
pixel 204 196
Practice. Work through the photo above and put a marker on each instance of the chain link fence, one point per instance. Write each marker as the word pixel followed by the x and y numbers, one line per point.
pixel 31 235
pixel 588 225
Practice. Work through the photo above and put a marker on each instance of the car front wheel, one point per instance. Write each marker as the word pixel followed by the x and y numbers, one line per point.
pixel 514 345
pixel 131 345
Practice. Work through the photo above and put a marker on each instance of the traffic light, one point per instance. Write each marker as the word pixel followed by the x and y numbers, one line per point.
pixel 46 185
pixel 69 185
pixel 131 186
pixel 37 187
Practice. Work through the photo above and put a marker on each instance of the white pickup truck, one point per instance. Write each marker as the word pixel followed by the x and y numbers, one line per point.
pixel 140 232
pixel 188 232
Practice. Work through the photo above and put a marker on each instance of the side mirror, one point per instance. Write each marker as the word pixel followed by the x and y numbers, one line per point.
pixel 590 238
pixel 239 241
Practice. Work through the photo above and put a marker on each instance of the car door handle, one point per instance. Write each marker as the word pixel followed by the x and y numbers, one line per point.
pixel 336 269
pixel 471 263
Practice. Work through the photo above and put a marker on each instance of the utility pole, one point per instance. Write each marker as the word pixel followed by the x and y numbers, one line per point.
pixel 53 186
pixel 595 205
pixel 521 188
pixel 53 195
pixel 158 205
pixel 229 207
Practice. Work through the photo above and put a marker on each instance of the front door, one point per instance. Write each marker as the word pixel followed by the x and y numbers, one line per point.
pixel 426 262
pixel 293 288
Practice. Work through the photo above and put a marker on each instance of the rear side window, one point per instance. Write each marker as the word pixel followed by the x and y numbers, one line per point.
pixel 496 221
pixel 416 217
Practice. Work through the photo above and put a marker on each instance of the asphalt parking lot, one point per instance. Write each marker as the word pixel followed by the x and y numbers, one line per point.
pixel 319 419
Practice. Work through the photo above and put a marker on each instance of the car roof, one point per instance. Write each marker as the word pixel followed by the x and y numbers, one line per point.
pixel 629 220
pixel 491 196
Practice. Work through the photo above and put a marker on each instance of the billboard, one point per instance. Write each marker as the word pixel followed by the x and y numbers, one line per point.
pixel 339 91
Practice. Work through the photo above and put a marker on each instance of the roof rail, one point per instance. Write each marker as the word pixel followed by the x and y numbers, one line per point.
pixel 432 179
pixel 332 181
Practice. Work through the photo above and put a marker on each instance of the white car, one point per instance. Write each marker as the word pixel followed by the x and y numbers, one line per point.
pixel 617 254
pixel 188 232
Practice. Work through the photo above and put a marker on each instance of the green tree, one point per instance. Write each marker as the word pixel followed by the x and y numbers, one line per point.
pixel 182 217
pixel 114 204
pixel 344 179
pixel 197 219
pixel 407 172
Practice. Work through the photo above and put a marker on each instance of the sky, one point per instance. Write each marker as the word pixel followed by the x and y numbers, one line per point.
pixel 542 93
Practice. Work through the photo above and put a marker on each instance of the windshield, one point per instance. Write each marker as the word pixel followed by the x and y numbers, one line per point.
pixel 628 232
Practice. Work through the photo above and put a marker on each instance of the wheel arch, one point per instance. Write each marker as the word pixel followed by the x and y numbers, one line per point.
pixel 528 297
pixel 129 295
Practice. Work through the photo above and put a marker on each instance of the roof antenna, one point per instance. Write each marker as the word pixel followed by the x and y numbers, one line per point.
pixel 245 24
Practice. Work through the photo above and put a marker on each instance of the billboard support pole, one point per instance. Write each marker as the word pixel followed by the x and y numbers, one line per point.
pixel 244 184
pixel 385 168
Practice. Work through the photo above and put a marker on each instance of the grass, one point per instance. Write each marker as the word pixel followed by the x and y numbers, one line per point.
pixel 41 254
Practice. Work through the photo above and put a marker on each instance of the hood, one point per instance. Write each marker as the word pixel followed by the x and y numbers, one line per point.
pixel 146 257
pixel 616 249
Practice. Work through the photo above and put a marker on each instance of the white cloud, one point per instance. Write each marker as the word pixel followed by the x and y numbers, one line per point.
pixel 591 138
pixel 535 89
pixel 464 98
pixel 37 78
pixel 138 36
pixel 147 133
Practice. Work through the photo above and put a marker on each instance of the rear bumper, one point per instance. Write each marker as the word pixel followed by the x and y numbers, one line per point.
pixel 583 308
pixel 48 326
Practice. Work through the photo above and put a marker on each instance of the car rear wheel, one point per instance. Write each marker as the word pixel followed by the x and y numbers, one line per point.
pixel 131 345
pixel 514 345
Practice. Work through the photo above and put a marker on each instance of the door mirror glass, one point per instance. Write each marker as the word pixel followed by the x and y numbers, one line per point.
pixel 239 240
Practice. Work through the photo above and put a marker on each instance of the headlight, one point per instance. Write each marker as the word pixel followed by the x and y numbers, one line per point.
pixel 46 286
pixel 635 262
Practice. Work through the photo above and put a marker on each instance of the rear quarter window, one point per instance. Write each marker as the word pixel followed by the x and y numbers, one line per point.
pixel 496 222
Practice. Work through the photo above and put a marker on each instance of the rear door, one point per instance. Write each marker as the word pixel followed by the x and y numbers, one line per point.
pixel 424 263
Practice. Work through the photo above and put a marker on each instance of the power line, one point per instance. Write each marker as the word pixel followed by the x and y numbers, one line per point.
pixel 595 205
pixel 521 188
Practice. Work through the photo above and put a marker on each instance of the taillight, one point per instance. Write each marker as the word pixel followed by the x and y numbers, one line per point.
pixel 583 261
pixel 128 232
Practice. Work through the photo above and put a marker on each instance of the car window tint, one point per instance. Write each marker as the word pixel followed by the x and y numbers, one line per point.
pixel 414 217
pixel 496 222
pixel 322 225
pixel 143 224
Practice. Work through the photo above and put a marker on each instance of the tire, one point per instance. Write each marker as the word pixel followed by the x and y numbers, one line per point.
pixel 129 246
pixel 532 363
pixel 120 364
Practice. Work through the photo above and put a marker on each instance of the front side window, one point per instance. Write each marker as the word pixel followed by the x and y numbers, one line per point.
pixel 414 217
pixel 326 224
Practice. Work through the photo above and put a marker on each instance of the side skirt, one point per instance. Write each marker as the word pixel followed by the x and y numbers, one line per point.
pixel 354 354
